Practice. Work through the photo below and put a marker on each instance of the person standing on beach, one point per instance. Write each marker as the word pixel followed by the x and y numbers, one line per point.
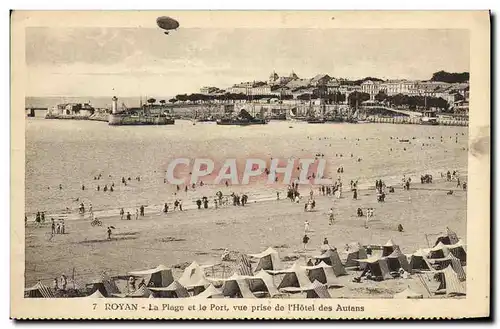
pixel 355 194
pixel 53 225
pixel 330 217
pixel 142 211
pixel 63 230
pixel 109 233
pixel 136 214
pixel 165 208
pixel 305 241
pixel 129 217
pixel 180 205
pixel 122 212
pixel 278 196
pixel 306 226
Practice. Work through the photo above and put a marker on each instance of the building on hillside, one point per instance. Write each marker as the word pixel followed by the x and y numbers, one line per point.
pixel 208 90
pixel 320 80
pixel 394 87
pixel 332 86
pixel 371 87
pixel 275 79
pixel 427 88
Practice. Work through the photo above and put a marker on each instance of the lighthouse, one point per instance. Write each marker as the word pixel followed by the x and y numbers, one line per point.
pixel 114 106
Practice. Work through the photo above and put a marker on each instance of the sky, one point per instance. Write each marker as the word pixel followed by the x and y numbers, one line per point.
pixel 145 62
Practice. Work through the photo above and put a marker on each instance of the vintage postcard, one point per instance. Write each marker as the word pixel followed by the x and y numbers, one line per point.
pixel 259 165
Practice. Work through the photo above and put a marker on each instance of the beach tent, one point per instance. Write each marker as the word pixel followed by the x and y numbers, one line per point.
pixel 377 267
pixel 268 260
pixel 295 276
pixel 192 275
pixel 39 290
pixel 455 265
pixel 438 251
pixel 141 292
pixel 449 282
pixel 104 284
pixel 317 290
pixel 198 287
pixel 313 290
pixel 418 261
pixel 174 290
pixel 458 250
pixel 160 276
pixel 449 238
pixel 210 292
pixel 356 252
pixel 322 273
pixel 408 294
pixel 262 283
pixel 331 257
pixel 96 294
pixel 388 248
pixel 237 287
pixel 397 260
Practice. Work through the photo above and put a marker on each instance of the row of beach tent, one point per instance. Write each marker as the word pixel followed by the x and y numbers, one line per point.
pixel 269 278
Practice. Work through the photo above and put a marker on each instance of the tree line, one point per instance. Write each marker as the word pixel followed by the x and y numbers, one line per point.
pixel 413 102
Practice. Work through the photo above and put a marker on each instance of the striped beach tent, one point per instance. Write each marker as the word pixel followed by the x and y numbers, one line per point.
pixel 39 290
pixel 244 266
pixel 317 290
pixel 450 259
pixel 458 250
pixel 449 282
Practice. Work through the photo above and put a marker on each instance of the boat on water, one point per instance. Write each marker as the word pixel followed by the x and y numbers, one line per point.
pixel 243 118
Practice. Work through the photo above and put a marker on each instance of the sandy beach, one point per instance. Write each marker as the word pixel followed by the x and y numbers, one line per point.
pixel 179 237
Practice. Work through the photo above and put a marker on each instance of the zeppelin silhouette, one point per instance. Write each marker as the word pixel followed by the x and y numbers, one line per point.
pixel 167 23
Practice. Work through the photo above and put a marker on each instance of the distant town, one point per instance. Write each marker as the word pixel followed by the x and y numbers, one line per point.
pixel 445 92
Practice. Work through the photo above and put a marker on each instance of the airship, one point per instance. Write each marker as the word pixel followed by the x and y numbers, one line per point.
pixel 167 23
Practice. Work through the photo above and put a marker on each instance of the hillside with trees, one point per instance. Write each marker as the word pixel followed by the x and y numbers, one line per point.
pixel 443 76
